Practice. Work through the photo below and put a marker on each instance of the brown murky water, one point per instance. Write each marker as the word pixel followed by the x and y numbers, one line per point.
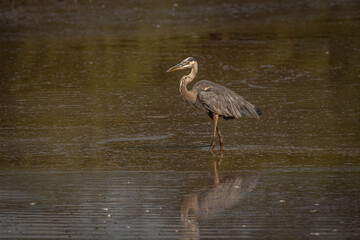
pixel 95 141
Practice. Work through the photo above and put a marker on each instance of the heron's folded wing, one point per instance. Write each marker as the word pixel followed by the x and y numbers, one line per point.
pixel 224 102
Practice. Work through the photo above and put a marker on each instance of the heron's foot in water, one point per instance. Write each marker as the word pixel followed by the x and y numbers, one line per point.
pixel 212 146
pixel 221 142
pixel 221 147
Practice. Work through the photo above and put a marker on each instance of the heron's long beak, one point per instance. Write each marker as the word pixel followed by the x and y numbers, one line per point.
pixel 175 68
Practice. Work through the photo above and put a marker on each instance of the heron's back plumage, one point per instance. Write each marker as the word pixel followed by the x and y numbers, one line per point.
pixel 220 100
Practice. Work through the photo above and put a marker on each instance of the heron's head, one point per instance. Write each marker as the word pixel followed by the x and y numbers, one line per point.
pixel 186 63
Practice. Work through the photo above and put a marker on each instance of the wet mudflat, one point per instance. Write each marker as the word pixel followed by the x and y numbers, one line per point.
pixel 95 141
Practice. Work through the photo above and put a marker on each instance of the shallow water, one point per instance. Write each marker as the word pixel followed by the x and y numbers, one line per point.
pixel 180 205
pixel 91 124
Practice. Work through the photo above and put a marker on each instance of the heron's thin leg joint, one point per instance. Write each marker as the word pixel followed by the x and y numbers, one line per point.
pixel 221 140
pixel 215 118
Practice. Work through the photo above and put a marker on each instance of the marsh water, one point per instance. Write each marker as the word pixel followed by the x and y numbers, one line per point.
pixel 96 143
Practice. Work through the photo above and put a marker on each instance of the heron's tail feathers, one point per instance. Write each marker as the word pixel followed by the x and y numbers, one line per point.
pixel 258 111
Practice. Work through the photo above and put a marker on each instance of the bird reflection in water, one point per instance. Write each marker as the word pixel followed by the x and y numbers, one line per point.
pixel 210 202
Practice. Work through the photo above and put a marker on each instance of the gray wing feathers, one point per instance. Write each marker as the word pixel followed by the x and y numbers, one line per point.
pixel 223 101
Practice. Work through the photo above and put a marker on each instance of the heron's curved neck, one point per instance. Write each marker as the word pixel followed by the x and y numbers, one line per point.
pixel 185 94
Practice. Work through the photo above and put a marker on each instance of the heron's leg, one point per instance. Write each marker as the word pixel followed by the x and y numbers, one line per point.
pixel 215 118
pixel 221 140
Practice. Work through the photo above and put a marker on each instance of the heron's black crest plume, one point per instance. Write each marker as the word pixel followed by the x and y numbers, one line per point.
pixel 190 59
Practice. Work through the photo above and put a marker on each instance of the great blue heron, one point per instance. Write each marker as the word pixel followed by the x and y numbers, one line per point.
pixel 213 98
